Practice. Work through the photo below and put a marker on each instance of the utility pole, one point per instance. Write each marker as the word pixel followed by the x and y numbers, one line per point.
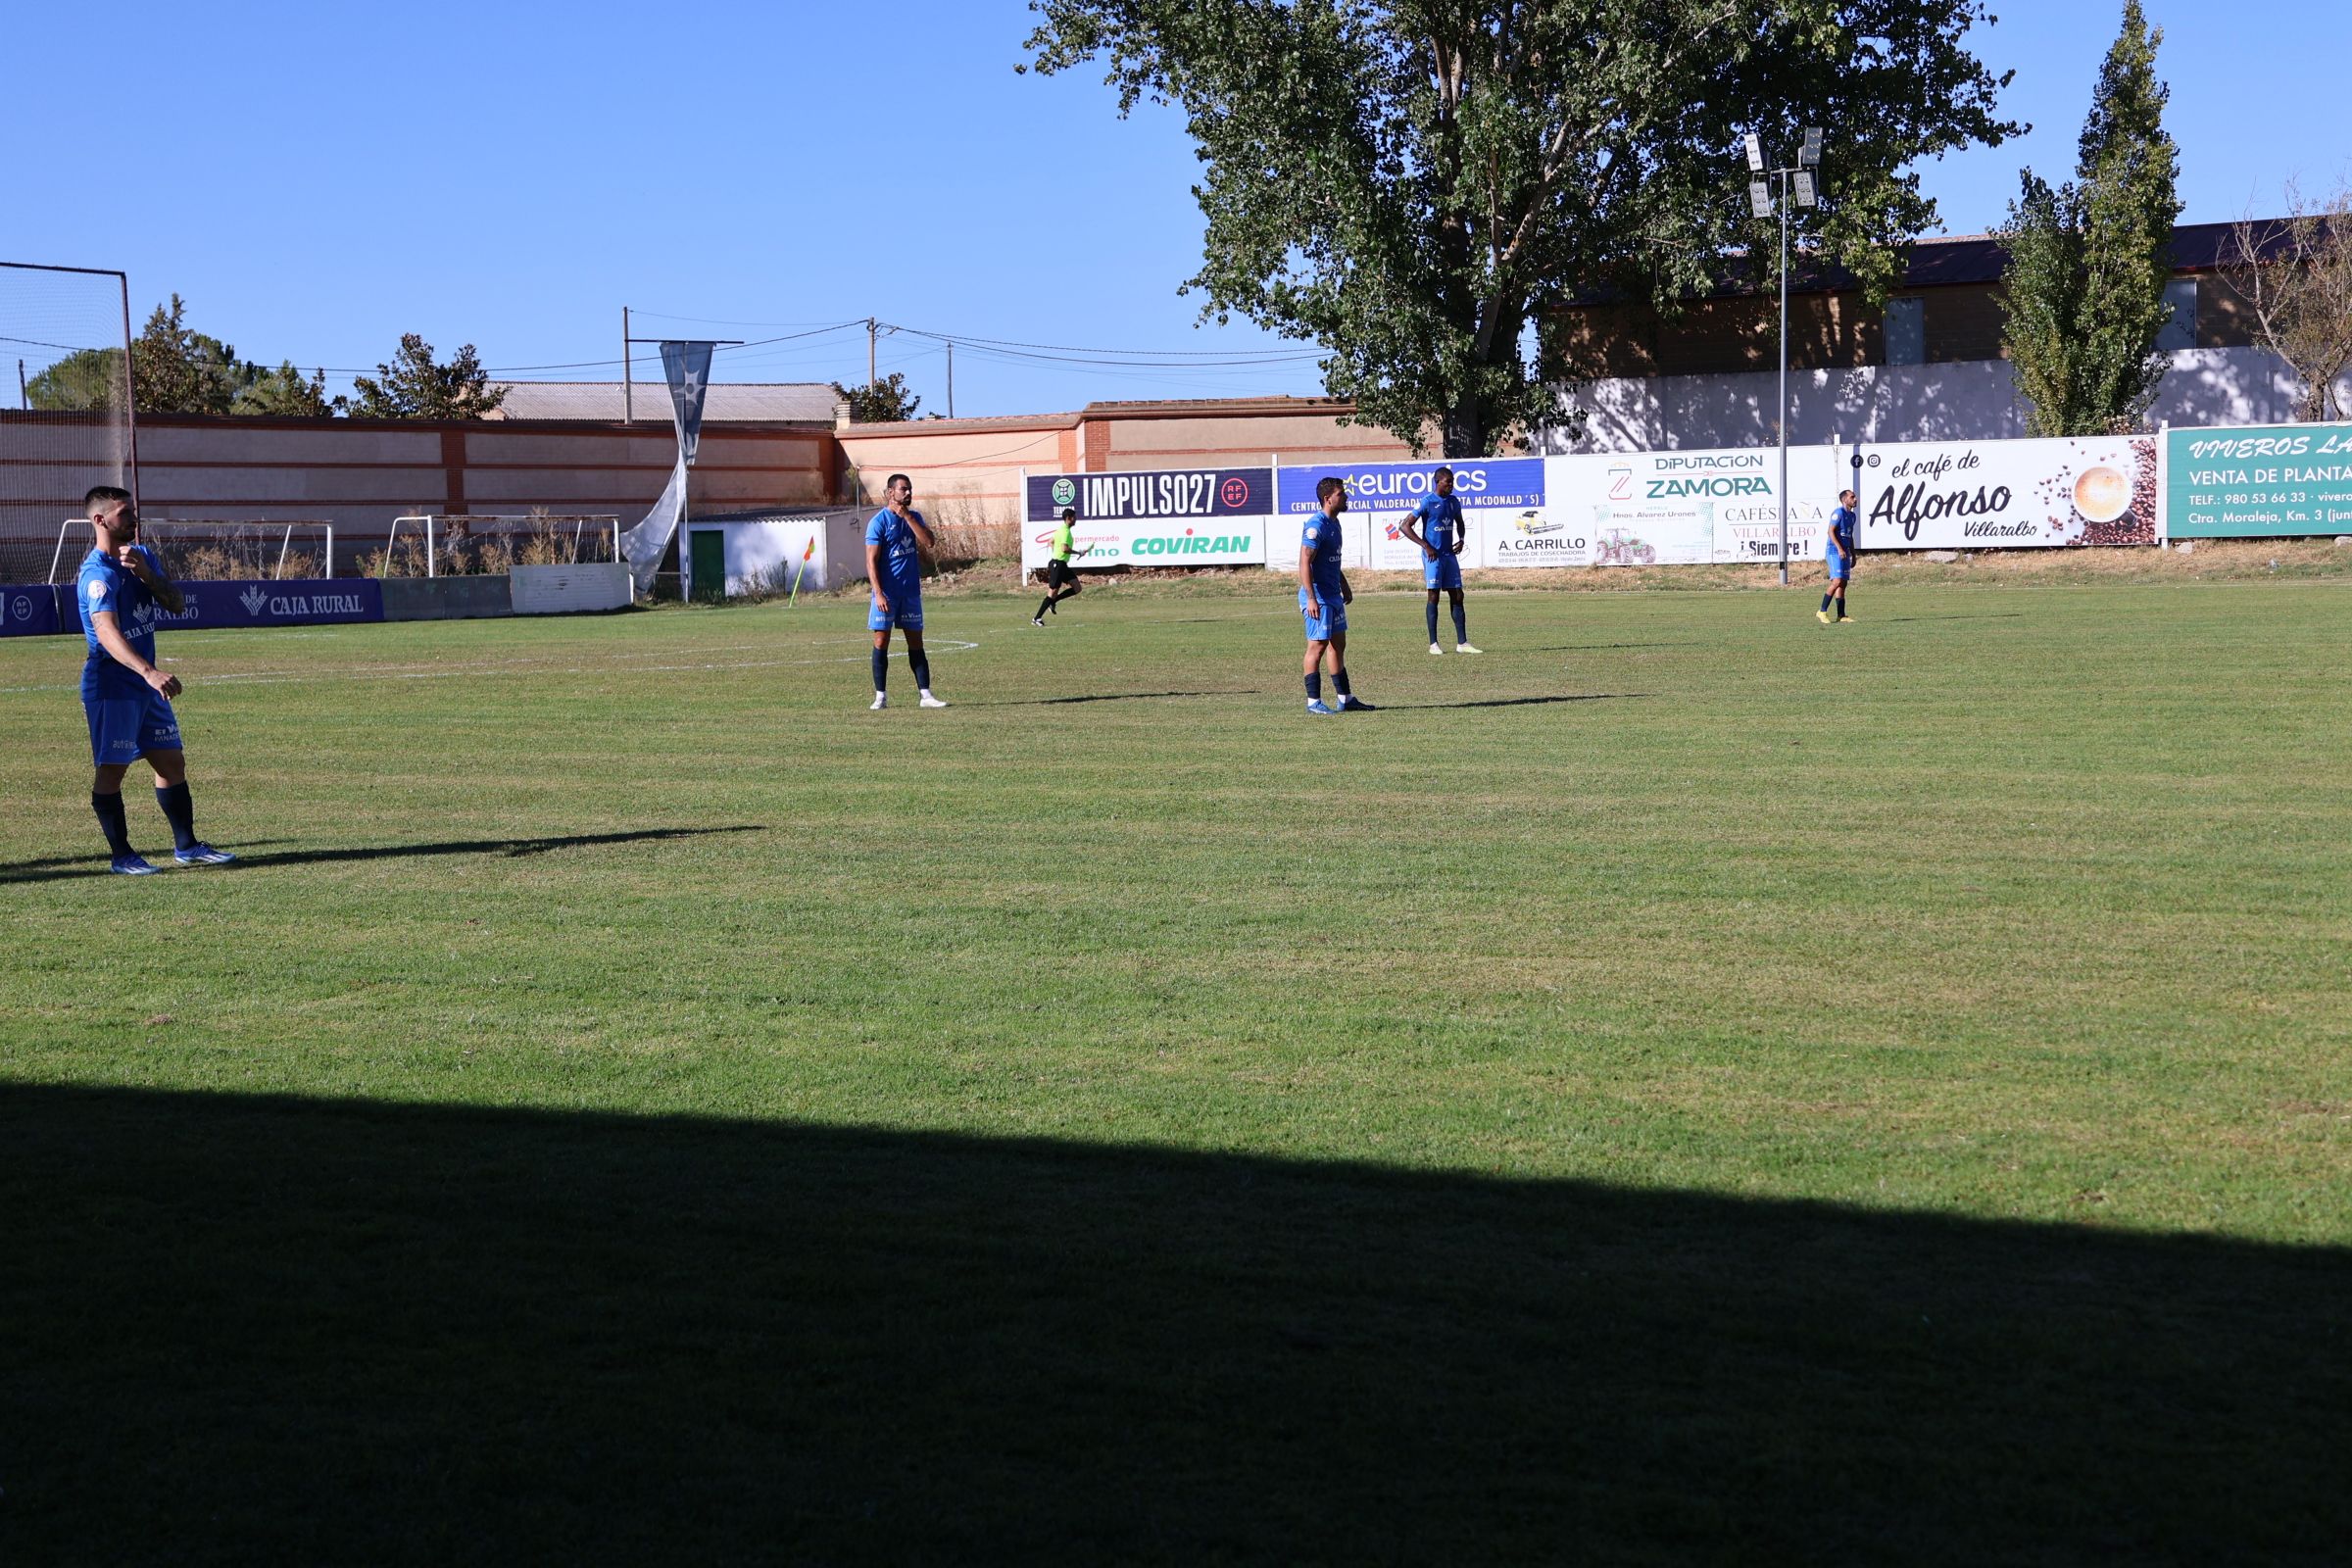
pixel 871 381
pixel 951 379
pixel 25 399
pixel 1760 202
pixel 628 387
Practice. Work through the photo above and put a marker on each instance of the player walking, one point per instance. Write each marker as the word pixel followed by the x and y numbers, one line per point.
pixel 895 541
pixel 1323 598
pixel 1838 552
pixel 1060 582
pixel 126 698
pixel 1439 536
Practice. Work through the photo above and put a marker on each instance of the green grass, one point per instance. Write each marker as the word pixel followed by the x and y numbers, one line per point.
pixel 1687 1082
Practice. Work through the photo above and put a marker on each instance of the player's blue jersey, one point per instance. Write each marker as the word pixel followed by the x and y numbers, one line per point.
pixel 902 559
pixel 106 584
pixel 1322 536
pixel 1441 522
pixel 1843 523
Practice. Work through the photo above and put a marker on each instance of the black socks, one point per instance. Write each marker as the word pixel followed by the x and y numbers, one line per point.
pixel 1431 608
pixel 1339 683
pixel 1461 624
pixel 179 809
pixel 881 670
pixel 111 823
pixel 1315 687
pixel 920 664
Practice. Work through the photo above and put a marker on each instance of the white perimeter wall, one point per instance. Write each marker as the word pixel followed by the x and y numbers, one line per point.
pixel 1965 400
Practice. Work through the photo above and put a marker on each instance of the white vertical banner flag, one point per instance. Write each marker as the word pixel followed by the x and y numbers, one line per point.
pixel 688 367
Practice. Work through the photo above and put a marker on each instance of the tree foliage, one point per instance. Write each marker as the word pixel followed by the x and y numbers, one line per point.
pixel 284 391
pixel 416 386
pixel 1411 183
pixel 86 380
pixel 2294 273
pixel 2084 293
pixel 178 369
pixel 885 402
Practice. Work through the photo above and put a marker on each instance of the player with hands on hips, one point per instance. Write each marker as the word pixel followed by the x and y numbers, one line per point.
pixel 1323 598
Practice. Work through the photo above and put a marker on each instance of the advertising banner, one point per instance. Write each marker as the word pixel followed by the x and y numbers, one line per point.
pixel 2009 495
pixel 34 610
pixel 1495 493
pixel 295 602
pixel 2266 481
pixel 1652 508
pixel 1152 517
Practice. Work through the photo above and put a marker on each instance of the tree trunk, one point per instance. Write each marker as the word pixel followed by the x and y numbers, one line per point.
pixel 1464 428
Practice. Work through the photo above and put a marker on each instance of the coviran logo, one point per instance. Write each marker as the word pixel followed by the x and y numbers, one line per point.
pixel 1189 543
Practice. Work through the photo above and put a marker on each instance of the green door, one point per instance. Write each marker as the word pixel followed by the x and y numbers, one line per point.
pixel 709 564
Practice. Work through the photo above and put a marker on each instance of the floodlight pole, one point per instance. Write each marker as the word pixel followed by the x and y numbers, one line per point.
pixel 1783 420
pixel 1808 159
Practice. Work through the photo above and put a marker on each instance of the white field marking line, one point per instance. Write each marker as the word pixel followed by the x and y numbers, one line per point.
pixel 270 677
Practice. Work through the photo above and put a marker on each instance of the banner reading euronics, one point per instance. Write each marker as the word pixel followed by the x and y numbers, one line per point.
pixel 1499 495
pixel 1152 517
pixel 2265 481
pixel 2009 495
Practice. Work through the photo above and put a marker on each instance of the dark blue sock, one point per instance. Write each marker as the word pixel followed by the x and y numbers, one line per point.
pixel 1315 687
pixel 881 670
pixel 1339 683
pixel 1825 601
pixel 1842 599
pixel 179 809
pixel 1461 623
pixel 1432 616
pixel 920 664
pixel 111 823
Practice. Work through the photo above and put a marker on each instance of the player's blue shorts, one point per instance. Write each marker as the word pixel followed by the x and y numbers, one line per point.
pixel 904 613
pixel 1322 628
pixel 124 728
pixel 1446 571
pixel 1840 567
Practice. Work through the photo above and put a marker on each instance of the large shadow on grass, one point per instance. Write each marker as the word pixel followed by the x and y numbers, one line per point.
pixel 1108 696
pixel 62 869
pixel 253 1330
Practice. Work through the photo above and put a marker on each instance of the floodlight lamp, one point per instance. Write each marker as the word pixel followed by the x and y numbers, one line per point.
pixel 1805 189
pixel 1810 153
pixel 1755 151
pixel 1760 198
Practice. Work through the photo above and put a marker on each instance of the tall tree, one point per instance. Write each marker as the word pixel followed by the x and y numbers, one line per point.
pixel 2294 273
pixel 284 391
pixel 1411 183
pixel 884 402
pixel 416 386
pixel 84 380
pixel 2088 261
pixel 178 369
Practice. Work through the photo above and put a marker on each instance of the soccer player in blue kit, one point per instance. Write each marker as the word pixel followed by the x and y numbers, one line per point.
pixel 895 541
pixel 1323 598
pixel 126 698
pixel 1837 555
pixel 1439 535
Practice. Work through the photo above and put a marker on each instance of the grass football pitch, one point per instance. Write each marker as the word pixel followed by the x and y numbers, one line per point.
pixel 1685 1083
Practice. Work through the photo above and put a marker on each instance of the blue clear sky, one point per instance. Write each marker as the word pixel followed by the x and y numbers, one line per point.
pixel 317 180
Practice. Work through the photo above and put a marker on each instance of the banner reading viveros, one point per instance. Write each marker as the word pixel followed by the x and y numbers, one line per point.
pixel 2270 482
pixel 1152 517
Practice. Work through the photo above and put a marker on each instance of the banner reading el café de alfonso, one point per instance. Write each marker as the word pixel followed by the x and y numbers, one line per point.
pixel 2009 495
pixel 1152 517
pixel 1502 498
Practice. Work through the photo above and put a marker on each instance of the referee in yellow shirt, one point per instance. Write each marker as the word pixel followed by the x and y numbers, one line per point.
pixel 1060 582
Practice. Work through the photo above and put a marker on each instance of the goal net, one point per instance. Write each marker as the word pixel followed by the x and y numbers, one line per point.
pixel 66 411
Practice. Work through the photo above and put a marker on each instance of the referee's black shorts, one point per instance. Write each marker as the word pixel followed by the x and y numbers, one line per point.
pixel 1058 572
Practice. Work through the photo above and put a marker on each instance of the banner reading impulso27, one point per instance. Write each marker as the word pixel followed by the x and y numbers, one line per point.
pixel 1153 493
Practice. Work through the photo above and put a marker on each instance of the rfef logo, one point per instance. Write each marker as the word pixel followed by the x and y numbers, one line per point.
pixel 1065 491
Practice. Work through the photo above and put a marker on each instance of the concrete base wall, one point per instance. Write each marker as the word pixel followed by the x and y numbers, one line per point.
pixel 447 598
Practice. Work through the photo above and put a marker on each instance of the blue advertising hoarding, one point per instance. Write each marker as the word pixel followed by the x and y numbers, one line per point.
pixel 1514 483
pixel 39 608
